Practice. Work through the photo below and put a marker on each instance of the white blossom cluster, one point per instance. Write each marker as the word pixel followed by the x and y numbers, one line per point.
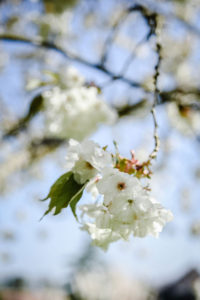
pixel 74 110
pixel 123 207
pixel 99 282
pixel 58 25
pixel 188 122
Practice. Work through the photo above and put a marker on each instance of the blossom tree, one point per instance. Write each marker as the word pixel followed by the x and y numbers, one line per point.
pixel 89 66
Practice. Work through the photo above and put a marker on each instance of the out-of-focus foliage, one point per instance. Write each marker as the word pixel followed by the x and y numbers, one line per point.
pixel 113 46
pixel 58 6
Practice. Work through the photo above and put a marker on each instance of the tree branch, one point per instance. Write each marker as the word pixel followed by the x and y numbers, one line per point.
pixel 66 54
pixel 154 8
pixel 153 154
pixel 111 36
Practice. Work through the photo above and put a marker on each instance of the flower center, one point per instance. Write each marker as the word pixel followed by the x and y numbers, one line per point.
pixel 121 186
pixel 130 201
pixel 88 165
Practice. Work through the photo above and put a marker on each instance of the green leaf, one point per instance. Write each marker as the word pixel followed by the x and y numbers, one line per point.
pixel 64 190
pixel 36 105
pixel 75 200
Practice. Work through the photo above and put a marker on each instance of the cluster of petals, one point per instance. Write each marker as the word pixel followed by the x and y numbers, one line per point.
pixel 123 207
pixel 74 110
pixel 86 159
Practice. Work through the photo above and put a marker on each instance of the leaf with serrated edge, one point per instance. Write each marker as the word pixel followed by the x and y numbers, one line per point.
pixel 62 192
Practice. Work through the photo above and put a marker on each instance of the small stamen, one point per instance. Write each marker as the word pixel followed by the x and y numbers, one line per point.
pixel 121 186
pixel 130 201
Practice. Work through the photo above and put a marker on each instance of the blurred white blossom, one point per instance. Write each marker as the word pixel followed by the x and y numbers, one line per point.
pixel 186 119
pixel 75 111
pixel 53 25
pixel 99 282
pixel 195 228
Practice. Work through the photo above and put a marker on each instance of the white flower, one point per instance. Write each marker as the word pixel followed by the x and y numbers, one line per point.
pixel 58 25
pixel 75 112
pixel 86 159
pixel 127 209
pixel 70 77
pixel 101 237
pixel 142 216
pixel 91 187
pixel 101 230
pixel 115 183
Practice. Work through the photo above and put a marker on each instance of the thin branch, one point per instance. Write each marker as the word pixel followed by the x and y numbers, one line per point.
pixel 111 36
pixel 40 147
pixel 66 54
pixel 177 94
pixel 132 55
pixel 150 19
pixel 153 154
pixel 158 10
pixel 128 109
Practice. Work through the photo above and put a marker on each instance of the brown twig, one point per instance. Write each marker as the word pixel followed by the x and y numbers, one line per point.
pixel 153 154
